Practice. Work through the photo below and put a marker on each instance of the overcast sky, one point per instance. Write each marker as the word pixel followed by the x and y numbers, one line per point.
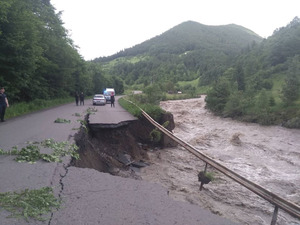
pixel 105 27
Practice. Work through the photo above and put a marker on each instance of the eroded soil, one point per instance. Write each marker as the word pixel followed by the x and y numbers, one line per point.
pixel 268 156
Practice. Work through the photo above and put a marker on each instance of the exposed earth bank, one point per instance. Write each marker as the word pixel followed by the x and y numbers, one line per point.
pixel 120 150
pixel 269 156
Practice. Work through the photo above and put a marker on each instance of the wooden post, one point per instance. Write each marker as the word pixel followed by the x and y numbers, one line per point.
pixel 275 213
pixel 201 185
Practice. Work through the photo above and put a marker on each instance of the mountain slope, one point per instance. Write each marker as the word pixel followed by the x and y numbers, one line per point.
pixel 191 35
pixel 185 52
pixel 263 84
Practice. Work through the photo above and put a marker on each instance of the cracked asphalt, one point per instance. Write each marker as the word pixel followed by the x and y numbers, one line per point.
pixel 88 196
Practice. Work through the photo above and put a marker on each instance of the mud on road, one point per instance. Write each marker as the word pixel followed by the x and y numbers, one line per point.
pixel 268 156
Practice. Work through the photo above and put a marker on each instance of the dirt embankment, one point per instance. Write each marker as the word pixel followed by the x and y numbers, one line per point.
pixel 115 150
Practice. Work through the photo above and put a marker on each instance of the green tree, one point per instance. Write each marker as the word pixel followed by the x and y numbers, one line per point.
pixel 154 94
pixel 291 88
pixel 118 85
pixel 37 58
pixel 262 108
pixel 235 105
pixel 218 96
pixel 240 78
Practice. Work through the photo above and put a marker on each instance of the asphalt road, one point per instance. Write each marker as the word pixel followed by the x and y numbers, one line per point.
pixel 88 196
pixel 109 116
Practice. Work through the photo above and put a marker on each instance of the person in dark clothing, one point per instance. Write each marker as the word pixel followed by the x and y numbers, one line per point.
pixel 112 101
pixel 81 97
pixel 76 98
pixel 3 103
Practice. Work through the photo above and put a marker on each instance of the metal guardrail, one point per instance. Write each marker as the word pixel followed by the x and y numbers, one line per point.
pixel 277 201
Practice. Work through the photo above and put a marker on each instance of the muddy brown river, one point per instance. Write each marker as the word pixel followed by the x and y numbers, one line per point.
pixel 268 156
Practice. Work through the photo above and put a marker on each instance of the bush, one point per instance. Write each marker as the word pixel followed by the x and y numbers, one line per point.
pixel 153 110
pixel 293 123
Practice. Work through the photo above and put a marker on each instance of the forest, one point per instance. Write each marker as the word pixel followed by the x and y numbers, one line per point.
pixel 244 76
pixel 38 60
pixel 263 84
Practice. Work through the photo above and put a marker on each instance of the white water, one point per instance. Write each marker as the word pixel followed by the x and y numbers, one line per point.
pixel 268 156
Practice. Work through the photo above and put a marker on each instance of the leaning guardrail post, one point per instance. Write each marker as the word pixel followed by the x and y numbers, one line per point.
pixel 275 213
pixel 201 185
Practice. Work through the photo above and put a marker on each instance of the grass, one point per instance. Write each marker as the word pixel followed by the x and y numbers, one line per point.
pixel 153 110
pixel 132 109
pixel 132 60
pixel 194 83
pixel 23 108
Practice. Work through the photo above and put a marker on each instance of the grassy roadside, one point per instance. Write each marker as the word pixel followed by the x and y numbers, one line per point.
pixel 153 110
pixel 23 108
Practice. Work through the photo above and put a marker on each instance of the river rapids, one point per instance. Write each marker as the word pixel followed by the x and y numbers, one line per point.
pixel 266 155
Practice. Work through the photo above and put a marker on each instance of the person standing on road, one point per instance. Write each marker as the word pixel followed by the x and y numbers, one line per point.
pixel 3 103
pixel 112 101
pixel 81 98
pixel 76 98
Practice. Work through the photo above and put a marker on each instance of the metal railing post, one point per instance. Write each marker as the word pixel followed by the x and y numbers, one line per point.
pixel 275 214
pixel 201 185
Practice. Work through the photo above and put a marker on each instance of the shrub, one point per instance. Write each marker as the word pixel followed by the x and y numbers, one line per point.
pixel 293 123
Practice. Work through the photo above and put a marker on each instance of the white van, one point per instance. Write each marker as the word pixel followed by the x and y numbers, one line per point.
pixel 108 92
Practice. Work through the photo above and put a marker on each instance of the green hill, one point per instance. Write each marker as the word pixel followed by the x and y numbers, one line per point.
pixel 190 36
pixel 183 53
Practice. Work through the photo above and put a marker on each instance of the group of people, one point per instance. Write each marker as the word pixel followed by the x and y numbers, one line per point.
pixel 79 98
pixel 3 103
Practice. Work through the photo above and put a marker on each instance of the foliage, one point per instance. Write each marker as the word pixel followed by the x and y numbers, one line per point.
pixel 293 123
pixel 291 87
pixel 210 175
pixel 22 108
pixel 155 135
pixel 31 153
pixel 152 110
pixel 263 84
pixel 84 125
pixel 235 105
pixel 131 108
pixel 77 114
pixel 29 203
pixel 154 94
pixel 218 96
pixel 91 110
pixel 61 120
pixel 38 60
